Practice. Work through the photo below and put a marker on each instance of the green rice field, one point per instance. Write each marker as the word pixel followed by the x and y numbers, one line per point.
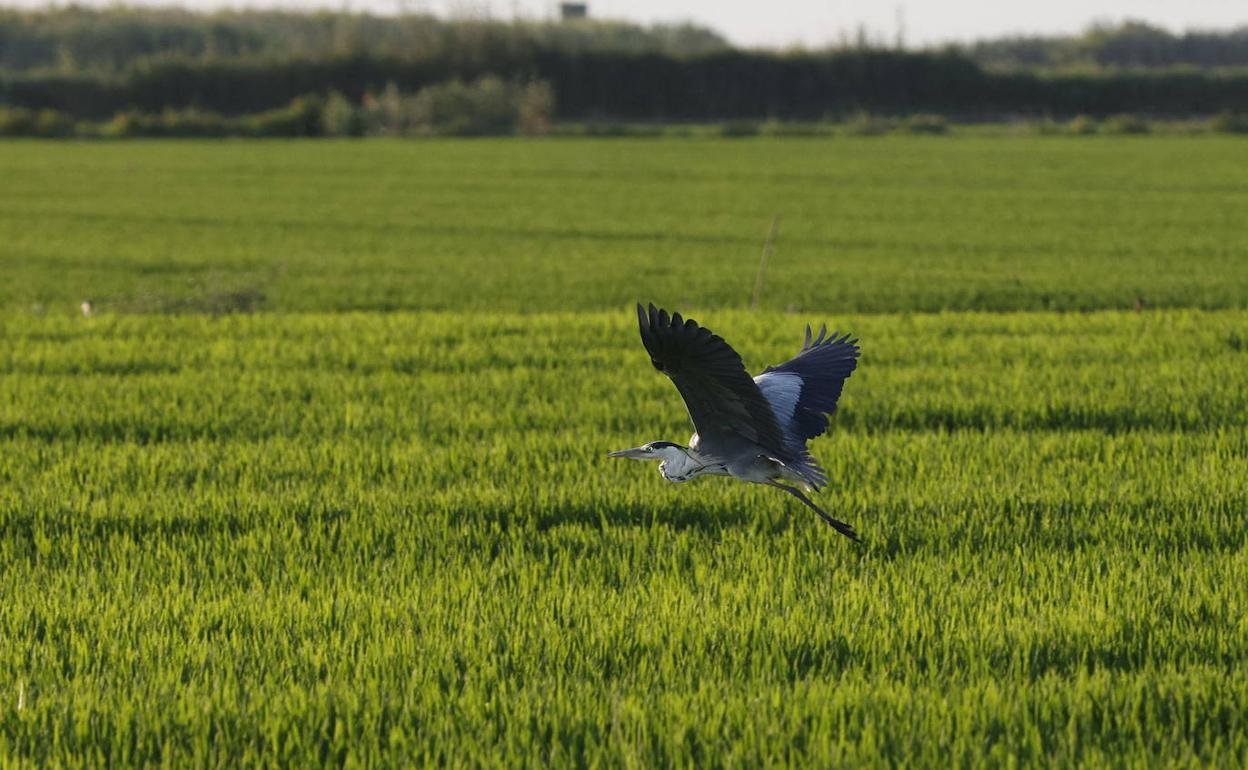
pixel 868 225
pixel 322 481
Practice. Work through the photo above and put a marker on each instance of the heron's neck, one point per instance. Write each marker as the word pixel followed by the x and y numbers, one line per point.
pixel 681 464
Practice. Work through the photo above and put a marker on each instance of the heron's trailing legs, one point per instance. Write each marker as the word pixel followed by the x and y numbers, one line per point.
pixel 839 526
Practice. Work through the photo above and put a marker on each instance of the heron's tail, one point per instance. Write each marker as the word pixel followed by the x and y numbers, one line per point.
pixel 805 471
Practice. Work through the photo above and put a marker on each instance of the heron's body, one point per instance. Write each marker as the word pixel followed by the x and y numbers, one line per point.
pixel 752 429
pixel 686 463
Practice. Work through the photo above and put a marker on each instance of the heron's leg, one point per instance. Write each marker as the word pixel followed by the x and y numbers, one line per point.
pixel 839 526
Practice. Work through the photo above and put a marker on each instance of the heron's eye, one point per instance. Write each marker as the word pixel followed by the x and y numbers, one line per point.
pixel 649 449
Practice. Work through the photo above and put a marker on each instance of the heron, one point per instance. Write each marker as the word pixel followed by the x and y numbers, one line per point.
pixel 752 429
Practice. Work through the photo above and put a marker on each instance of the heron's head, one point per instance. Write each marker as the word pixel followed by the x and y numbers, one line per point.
pixel 655 450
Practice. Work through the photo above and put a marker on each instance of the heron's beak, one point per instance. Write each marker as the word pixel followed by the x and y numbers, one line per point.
pixel 636 453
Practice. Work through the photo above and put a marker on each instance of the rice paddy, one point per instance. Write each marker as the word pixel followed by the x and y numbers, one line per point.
pixel 322 483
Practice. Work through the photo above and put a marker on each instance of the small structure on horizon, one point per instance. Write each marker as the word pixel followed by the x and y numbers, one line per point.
pixel 572 11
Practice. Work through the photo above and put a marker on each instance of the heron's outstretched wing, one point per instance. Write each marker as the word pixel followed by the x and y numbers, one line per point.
pixel 805 389
pixel 724 402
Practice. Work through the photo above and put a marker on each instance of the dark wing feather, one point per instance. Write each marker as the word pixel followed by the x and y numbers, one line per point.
pixel 824 363
pixel 724 402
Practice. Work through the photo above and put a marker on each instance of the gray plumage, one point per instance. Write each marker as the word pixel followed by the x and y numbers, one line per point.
pixel 753 429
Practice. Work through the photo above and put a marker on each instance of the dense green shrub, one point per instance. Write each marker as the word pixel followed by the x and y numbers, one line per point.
pixel 1230 123
pixel 51 124
pixel 302 117
pixel 866 124
pixel 925 123
pixel 1083 125
pixel 340 118
pixel 735 129
pixel 775 127
pixel 382 114
pixel 1126 124
pixel 486 107
pixel 179 123
pixel 1042 127
pixel 15 121
pixel 124 125
pixel 190 123
pixel 536 108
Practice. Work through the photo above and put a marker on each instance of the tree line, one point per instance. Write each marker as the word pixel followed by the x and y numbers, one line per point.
pixel 1129 45
pixel 654 87
pixel 94 64
pixel 77 40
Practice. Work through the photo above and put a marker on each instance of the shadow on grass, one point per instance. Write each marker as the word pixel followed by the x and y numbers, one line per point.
pixel 62 527
pixel 602 515
pixel 51 536
pixel 215 302
pixel 133 431
pixel 1107 420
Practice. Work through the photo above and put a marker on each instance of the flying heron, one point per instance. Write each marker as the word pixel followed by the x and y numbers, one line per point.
pixel 751 429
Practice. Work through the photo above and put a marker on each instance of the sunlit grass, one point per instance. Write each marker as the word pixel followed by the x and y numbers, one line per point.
pixel 394 540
